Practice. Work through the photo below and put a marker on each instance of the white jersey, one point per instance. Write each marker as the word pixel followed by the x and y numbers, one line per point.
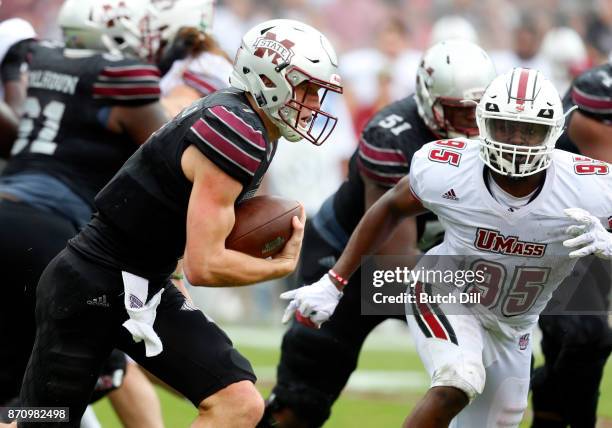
pixel 521 250
pixel 206 73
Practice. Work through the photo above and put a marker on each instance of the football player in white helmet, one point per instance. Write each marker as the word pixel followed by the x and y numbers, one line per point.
pixel 111 25
pixel 507 202
pixel 519 125
pixel 277 57
pixel 192 63
pixel 450 80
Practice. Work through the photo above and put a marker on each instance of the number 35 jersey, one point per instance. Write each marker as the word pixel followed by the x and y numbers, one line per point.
pixel 63 130
pixel 521 252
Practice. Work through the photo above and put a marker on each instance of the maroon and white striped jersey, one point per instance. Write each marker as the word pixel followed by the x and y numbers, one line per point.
pixel 63 131
pixel 142 211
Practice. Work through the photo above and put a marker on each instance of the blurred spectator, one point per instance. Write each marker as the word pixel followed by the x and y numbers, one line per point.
pixel 353 22
pixel 233 18
pixel 565 51
pixel 373 77
pixel 599 32
pixel 525 50
pixel 453 27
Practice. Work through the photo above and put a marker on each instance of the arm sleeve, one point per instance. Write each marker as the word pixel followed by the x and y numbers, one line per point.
pixel 230 142
pixel 207 73
pixel 127 83
pixel 380 161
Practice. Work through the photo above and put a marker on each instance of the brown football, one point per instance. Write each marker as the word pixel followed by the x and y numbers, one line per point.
pixel 263 225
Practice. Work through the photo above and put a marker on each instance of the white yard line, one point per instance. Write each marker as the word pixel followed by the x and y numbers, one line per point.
pixel 376 381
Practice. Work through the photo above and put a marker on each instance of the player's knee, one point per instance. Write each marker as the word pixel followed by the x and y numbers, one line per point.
pixel 297 406
pixel 239 402
pixel 511 399
pixel 468 376
pixel 448 397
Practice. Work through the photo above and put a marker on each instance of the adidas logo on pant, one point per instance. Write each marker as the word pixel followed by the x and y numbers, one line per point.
pixel 99 301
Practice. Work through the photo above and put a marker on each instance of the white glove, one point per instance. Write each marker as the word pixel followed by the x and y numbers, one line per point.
pixel 591 237
pixel 315 302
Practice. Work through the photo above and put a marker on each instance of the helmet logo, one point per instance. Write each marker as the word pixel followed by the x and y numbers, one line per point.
pixel 269 47
pixel 520 107
pixel 110 13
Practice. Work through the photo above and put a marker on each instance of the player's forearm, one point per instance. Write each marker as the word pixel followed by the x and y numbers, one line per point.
pixel 374 229
pixel 231 268
pixel 377 225
pixel 8 127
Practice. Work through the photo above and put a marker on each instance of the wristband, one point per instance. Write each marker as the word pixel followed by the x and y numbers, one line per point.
pixel 337 277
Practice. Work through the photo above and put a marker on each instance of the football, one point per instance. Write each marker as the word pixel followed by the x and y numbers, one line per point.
pixel 263 225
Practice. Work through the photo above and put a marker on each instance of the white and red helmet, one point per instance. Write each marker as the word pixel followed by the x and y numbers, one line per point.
pixel 105 25
pixel 453 74
pixel 167 17
pixel 273 59
pixel 520 118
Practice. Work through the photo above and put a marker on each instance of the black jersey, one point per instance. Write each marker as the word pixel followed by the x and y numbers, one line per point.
pixel 62 132
pixel 142 211
pixel 385 151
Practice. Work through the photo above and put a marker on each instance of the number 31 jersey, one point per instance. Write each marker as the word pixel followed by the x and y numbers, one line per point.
pixel 521 252
pixel 63 130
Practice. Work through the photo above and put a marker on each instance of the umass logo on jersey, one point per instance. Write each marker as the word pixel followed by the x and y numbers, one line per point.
pixel 494 242
pixel 269 47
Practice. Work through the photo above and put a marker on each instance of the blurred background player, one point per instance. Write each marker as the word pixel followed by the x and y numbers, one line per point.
pixel 193 65
pixel 15 36
pixel 316 363
pixel 89 105
pixel 565 390
pixel 525 51
pixel 191 173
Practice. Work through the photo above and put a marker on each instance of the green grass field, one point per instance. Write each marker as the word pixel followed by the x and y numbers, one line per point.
pixel 358 407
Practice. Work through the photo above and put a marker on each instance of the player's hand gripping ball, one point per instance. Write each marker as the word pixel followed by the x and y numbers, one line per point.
pixel 263 225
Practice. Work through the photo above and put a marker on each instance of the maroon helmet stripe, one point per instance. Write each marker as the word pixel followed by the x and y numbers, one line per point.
pixel 522 86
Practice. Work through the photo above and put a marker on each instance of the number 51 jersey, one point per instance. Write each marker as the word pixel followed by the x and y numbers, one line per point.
pixel 521 252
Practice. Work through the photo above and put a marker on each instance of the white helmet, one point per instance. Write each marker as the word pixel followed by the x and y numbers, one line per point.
pixel 452 75
pixel 273 59
pixel 113 25
pixel 168 17
pixel 453 27
pixel 520 117
pixel 564 49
